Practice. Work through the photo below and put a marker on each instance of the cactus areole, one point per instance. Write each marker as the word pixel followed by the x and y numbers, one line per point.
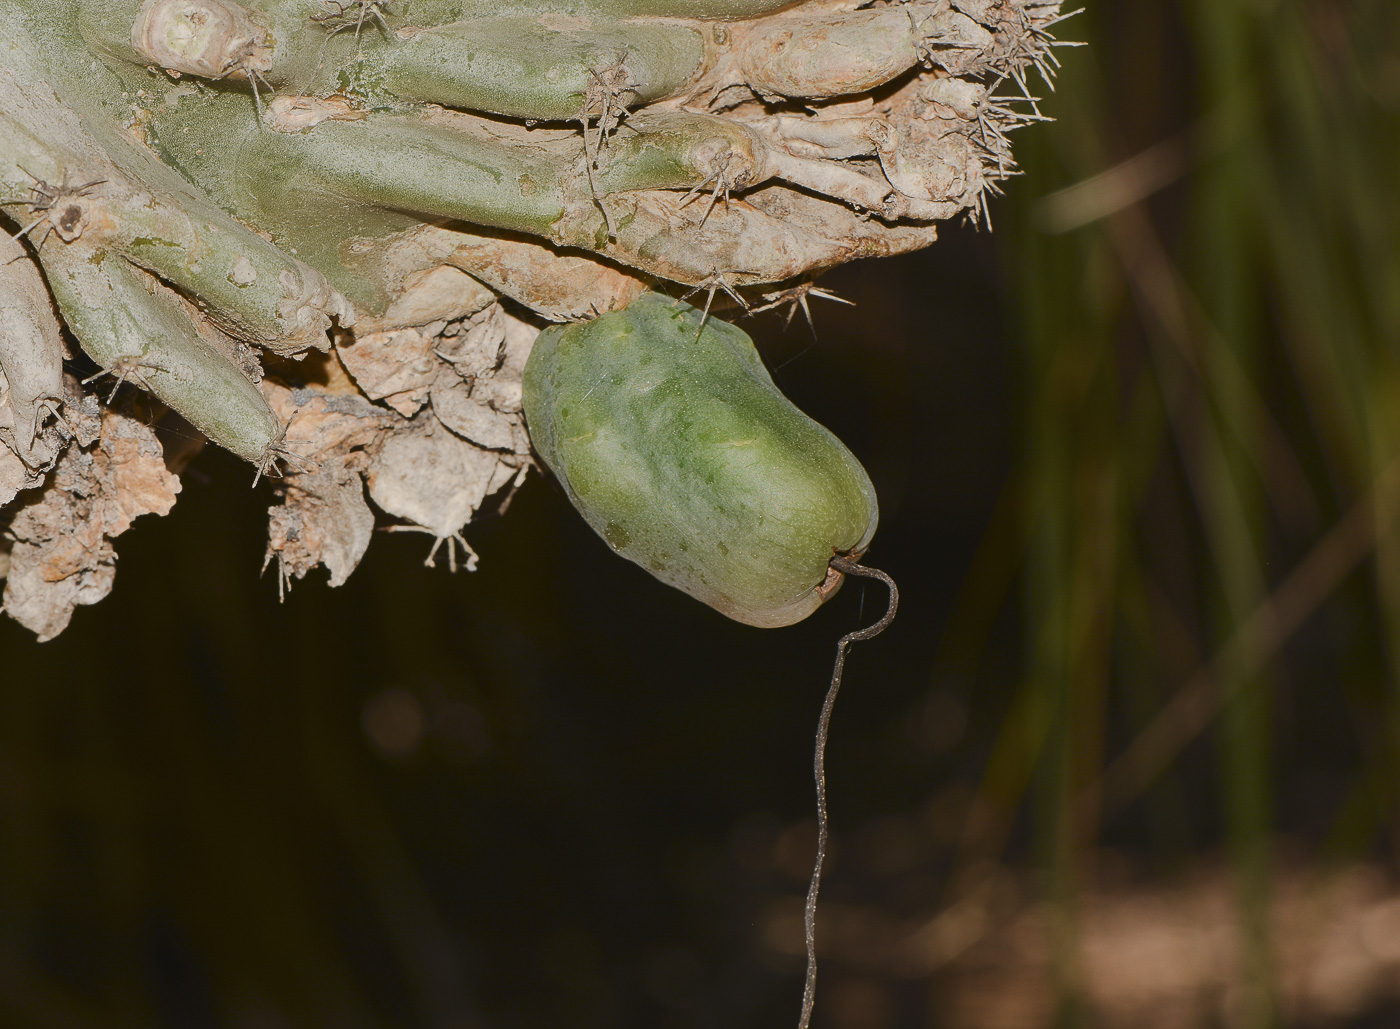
pixel 675 445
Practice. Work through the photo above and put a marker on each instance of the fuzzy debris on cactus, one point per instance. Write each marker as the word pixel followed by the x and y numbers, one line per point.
pixel 326 233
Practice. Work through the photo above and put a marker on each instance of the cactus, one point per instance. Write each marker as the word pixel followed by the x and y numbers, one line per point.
pixel 294 222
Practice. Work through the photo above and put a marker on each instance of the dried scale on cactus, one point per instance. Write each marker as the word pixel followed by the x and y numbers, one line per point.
pixel 326 234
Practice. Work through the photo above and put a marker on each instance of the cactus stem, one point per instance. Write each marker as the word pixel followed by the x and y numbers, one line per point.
pixel 519 68
pixel 133 326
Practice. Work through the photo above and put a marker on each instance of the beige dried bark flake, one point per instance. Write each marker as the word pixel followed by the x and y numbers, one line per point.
pixel 433 480
pixel 60 555
pixel 477 391
pixel 397 367
pixel 323 518
pixel 553 283
pixel 15 475
pixel 475 346
pixel 472 419
pixel 432 469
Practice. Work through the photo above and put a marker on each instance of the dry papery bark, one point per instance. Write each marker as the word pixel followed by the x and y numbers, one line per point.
pixel 288 227
pixel 445 435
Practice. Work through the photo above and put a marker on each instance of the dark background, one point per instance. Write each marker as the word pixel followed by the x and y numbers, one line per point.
pixel 555 792
pixel 193 759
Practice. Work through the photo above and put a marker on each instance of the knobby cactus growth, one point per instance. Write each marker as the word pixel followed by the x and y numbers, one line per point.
pixel 325 233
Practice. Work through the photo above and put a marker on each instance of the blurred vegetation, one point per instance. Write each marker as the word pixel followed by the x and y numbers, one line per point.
pixel 1139 483
pixel 1211 463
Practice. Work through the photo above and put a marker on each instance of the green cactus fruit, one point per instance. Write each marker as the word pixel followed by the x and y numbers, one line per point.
pixel 675 445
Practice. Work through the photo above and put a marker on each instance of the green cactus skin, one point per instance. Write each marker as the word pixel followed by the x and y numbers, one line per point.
pixel 520 68
pixel 63 122
pixel 137 329
pixel 365 150
pixel 108 213
pixel 682 454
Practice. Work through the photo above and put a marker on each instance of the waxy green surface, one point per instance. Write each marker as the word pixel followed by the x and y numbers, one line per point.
pixel 684 456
